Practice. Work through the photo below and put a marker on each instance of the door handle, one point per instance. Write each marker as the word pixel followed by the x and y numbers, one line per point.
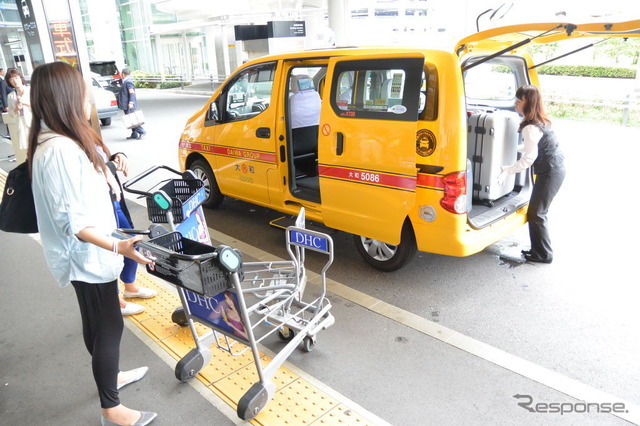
pixel 263 133
pixel 339 143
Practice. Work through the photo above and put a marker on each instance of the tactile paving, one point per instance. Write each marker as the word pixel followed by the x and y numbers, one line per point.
pixel 296 401
pixel 299 403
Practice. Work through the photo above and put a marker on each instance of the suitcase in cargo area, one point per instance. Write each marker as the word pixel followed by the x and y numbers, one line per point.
pixel 492 142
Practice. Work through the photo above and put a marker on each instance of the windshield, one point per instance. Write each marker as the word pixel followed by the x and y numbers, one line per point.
pixel 104 68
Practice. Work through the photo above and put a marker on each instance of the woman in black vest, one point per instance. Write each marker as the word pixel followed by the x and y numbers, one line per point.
pixel 541 150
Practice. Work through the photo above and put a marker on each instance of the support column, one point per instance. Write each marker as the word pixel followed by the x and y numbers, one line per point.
pixel 187 70
pixel 225 49
pixel 210 42
pixel 160 55
pixel 337 15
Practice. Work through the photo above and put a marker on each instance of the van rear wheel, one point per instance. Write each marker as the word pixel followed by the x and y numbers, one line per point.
pixel 203 172
pixel 388 257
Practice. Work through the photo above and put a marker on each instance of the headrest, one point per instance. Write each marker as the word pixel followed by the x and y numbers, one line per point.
pixel 301 83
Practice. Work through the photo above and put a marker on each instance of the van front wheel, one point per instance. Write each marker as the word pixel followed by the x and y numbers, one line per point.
pixel 387 257
pixel 203 172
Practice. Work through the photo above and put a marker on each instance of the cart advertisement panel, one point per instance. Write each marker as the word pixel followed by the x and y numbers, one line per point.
pixel 220 312
pixel 194 227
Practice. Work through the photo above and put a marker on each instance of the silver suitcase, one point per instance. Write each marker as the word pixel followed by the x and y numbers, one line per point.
pixel 492 142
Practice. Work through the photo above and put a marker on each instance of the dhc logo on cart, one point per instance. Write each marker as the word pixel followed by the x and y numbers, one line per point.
pixel 194 202
pixel 308 240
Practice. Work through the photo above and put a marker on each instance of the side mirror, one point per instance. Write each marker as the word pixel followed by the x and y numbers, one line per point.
pixel 213 111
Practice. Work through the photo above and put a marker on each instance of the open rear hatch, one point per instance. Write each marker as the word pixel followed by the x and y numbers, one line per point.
pixel 509 38
pixel 493 68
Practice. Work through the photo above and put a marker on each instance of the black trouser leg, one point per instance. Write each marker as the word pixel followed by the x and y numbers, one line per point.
pixel 102 327
pixel 134 130
pixel 544 190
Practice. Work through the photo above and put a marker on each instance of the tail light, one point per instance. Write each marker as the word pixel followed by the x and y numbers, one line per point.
pixel 455 193
pixel 114 102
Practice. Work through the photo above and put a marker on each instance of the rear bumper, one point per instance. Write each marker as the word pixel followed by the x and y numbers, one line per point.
pixel 108 112
pixel 462 240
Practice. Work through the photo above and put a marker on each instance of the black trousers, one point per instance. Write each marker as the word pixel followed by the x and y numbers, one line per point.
pixel 544 190
pixel 102 327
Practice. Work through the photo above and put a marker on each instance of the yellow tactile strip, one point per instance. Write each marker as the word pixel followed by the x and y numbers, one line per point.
pixel 296 401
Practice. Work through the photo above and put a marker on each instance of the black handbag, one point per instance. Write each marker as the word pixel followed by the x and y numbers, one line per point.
pixel 17 209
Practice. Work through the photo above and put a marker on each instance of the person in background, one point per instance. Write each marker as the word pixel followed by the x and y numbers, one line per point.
pixel 4 106
pixel 19 109
pixel 128 103
pixel 542 151
pixel 118 162
pixel 76 221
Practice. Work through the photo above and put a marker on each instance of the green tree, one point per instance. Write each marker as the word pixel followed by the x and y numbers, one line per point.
pixel 619 50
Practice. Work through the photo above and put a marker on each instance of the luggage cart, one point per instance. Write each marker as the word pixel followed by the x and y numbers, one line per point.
pixel 240 302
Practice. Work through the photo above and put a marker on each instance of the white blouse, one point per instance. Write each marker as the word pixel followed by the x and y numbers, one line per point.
pixel 531 135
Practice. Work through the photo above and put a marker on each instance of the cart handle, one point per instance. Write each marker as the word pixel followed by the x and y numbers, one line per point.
pixel 181 256
pixel 125 233
pixel 122 231
pixel 127 185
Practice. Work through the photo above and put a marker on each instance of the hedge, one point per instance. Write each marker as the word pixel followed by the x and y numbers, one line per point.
pixel 577 71
pixel 587 71
pixel 148 80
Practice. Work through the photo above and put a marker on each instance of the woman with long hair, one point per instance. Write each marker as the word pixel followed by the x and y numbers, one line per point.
pixel 19 112
pixel 76 219
pixel 542 151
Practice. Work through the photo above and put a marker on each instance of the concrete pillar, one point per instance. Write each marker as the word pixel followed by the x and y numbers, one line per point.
pixel 107 41
pixel 210 50
pixel 187 69
pixel 337 15
pixel 228 67
pixel 160 55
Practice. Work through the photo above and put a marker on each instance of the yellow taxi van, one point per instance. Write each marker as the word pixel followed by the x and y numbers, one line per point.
pixel 377 142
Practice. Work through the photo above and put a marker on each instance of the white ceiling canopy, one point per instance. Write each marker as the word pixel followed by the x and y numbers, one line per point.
pixel 213 10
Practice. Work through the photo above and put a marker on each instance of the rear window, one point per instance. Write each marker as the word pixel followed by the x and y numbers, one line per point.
pixel 104 68
pixel 495 82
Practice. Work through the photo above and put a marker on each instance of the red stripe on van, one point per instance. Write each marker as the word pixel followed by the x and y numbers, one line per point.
pixel 405 183
pixel 244 154
pixel 430 181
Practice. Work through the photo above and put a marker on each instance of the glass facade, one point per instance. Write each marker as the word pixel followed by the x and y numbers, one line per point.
pixel 135 18
pixel 146 35
pixel 11 42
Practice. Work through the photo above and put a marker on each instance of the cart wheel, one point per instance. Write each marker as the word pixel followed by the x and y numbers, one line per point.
pixel 180 317
pixel 189 365
pixel 309 343
pixel 253 401
pixel 286 334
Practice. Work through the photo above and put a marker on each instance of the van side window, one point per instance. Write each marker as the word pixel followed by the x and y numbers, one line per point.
pixel 249 94
pixel 377 89
pixel 428 108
